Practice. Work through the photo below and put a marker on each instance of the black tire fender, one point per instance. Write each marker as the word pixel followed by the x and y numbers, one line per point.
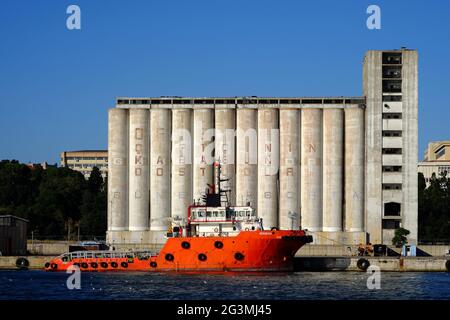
pixel 22 263
pixel 363 264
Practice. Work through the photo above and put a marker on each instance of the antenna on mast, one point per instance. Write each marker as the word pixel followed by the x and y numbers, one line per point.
pixel 223 193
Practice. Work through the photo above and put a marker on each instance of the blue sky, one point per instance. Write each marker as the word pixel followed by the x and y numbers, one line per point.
pixel 56 85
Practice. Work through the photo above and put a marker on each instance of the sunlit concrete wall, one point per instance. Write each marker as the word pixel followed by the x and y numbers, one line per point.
pixel 299 165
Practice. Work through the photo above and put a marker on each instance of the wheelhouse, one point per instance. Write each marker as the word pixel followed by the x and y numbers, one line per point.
pixel 210 214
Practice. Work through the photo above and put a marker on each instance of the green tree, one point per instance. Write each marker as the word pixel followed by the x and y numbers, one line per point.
pixel 57 207
pixel 93 208
pixel 95 181
pixel 434 209
pixel 53 200
pixel 15 189
pixel 399 238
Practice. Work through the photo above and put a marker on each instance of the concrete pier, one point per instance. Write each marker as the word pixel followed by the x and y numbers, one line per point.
pixel 386 264
pixel 35 262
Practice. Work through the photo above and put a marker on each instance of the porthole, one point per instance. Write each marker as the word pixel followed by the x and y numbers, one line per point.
pixel 239 256
pixel 185 245
pixel 169 257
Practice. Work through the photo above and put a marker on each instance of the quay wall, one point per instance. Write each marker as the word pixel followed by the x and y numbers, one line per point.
pixel 388 264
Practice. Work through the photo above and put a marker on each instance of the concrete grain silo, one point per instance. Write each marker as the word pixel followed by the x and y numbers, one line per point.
pixel 336 166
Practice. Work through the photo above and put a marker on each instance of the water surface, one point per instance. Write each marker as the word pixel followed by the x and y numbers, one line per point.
pixel 37 285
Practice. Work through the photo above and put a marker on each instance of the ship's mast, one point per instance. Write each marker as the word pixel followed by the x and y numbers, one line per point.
pixel 223 193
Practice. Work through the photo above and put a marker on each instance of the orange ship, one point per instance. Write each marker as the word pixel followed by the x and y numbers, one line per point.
pixel 215 237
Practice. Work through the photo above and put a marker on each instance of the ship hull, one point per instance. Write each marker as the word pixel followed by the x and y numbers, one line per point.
pixel 249 251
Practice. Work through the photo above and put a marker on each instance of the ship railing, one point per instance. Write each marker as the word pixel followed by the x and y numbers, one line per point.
pixel 227 220
pixel 142 255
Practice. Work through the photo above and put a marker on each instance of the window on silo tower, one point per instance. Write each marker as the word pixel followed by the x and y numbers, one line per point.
pixel 392 209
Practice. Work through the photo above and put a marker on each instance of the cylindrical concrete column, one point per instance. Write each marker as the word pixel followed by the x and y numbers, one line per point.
pixel 311 180
pixel 203 151
pixel 268 165
pixel 246 157
pixel 225 125
pixel 139 151
pixel 160 128
pixel 117 169
pixel 354 169
pixel 289 214
pixel 333 161
pixel 181 162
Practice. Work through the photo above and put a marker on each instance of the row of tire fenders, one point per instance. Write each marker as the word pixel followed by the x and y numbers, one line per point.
pixel 94 265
